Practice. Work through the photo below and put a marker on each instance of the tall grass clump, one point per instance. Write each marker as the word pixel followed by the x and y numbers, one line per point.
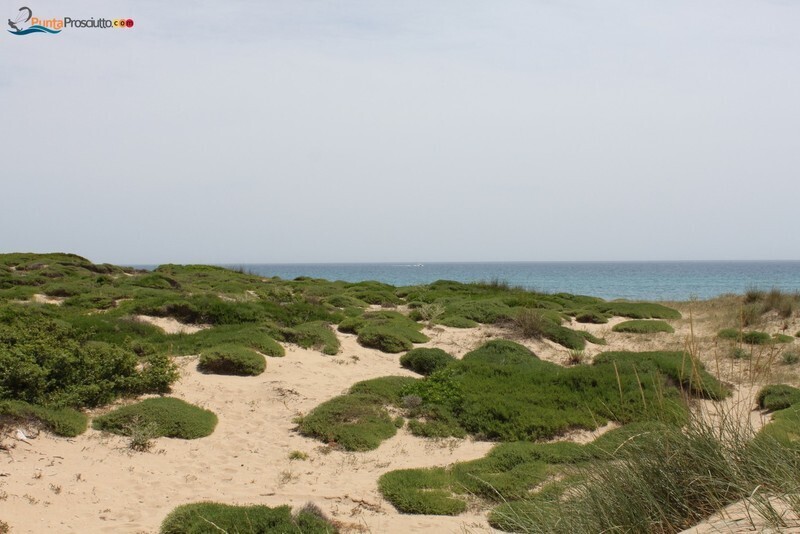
pixel 665 482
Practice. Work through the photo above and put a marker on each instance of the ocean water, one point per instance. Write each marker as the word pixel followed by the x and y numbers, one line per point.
pixel 672 280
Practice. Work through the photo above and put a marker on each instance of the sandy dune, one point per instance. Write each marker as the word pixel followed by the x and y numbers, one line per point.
pixel 93 483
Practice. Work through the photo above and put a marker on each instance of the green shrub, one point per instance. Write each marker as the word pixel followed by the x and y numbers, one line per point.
pixel 678 366
pixel 386 331
pixel 502 391
pixel 231 360
pixel 591 317
pixel 356 422
pixel 778 397
pixel 258 338
pixel 425 361
pixel 198 518
pixel 790 357
pixel 564 336
pixel 173 418
pixel 482 311
pixel 636 310
pixel 388 388
pixel 385 339
pixel 455 321
pixel 591 338
pixel 752 337
pixel 643 327
pixel 48 362
pixel 60 421
pixel 531 323
pixel 738 353
pixel 316 335
pixel 420 491
pixel 782 338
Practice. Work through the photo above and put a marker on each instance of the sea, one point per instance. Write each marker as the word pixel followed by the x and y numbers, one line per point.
pixel 650 280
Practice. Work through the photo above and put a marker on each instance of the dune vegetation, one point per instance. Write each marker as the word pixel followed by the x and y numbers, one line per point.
pixel 76 337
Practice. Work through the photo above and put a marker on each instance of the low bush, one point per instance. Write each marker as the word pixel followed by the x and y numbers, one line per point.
pixel 502 391
pixel 752 337
pixel 231 360
pixel 48 362
pixel 258 338
pixel 60 421
pixel 643 327
pixel 680 367
pixel 531 323
pixel 591 338
pixel 636 310
pixel 206 517
pixel 421 491
pixel 171 417
pixel 778 397
pixel 782 338
pixel 385 339
pixel 739 353
pixel 386 331
pixel 425 361
pixel 510 471
pixel 317 335
pixel 390 389
pixel 487 311
pixel 790 357
pixel 456 321
pixel 591 317
pixel 356 422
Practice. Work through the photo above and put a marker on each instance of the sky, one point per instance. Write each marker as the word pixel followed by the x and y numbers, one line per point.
pixel 369 131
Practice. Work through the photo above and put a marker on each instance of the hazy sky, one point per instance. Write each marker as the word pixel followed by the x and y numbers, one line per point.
pixel 311 131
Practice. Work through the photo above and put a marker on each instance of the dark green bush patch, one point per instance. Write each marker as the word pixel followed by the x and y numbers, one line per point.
pixel 356 422
pixel 60 421
pixel 502 391
pixel 481 311
pixel 778 397
pixel 591 338
pixel 782 338
pixel 170 417
pixel 48 362
pixel 231 360
pixel 387 331
pixel 455 321
pixel 388 388
pixel 643 327
pixel 591 317
pixel 421 491
pixel 425 361
pixel 197 518
pixel 752 337
pixel 317 335
pixel 636 310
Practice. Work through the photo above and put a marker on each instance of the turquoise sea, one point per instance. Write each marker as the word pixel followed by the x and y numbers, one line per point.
pixel 667 280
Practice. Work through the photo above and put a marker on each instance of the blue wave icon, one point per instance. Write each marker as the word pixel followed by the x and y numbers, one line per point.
pixel 35 29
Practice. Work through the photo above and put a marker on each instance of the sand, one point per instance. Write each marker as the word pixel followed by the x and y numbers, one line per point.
pixel 93 483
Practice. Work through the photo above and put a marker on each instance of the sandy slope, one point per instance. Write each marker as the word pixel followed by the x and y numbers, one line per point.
pixel 94 484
